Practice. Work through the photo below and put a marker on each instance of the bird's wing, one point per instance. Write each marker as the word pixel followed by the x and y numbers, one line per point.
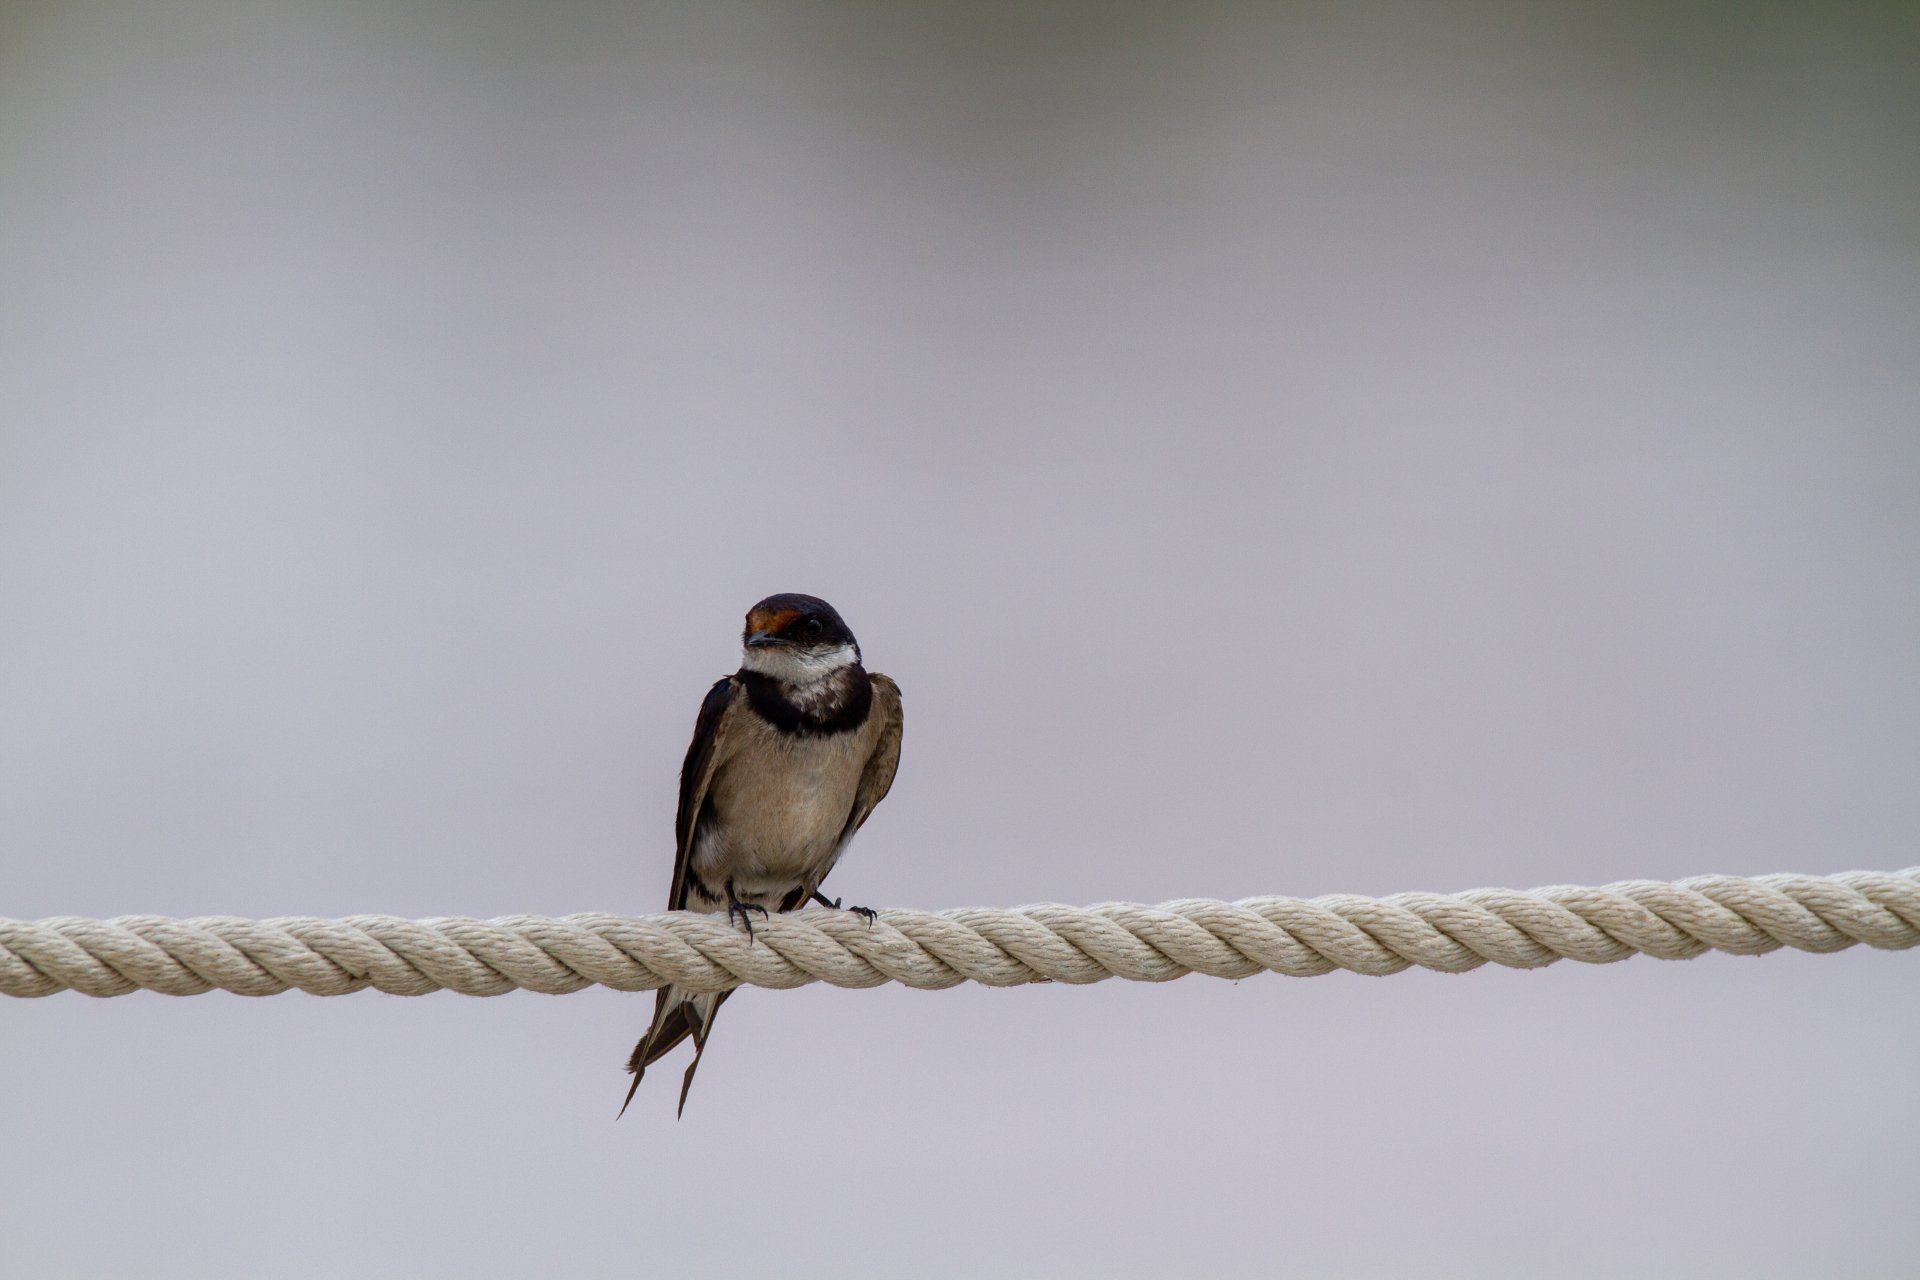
pixel 704 754
pixel 884 761
pixel 676 1015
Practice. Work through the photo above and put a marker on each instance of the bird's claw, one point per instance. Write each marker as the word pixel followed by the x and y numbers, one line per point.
pixel 866 913
pixel 745 910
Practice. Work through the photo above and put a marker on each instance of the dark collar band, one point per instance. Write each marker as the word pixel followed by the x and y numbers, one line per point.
pixel 769 701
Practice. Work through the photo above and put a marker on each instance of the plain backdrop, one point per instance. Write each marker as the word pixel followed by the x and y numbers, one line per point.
pixel 1295 449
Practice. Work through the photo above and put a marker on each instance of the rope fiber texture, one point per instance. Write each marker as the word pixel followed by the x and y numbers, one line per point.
pixel 1451 932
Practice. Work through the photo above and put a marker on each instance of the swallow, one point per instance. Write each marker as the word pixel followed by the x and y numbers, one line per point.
pixel 790 754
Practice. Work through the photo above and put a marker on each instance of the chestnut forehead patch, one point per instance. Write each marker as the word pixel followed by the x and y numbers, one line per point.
pixel 773 620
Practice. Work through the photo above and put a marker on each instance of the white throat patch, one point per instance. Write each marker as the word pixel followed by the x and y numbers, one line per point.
pixel 799 666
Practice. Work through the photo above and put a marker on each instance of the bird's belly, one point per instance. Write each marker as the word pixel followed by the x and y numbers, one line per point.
pixel 777 817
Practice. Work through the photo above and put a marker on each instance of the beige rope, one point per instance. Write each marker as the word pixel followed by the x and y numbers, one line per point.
pixel 1299 937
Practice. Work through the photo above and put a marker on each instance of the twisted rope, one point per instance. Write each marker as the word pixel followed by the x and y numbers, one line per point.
pixel 1451 932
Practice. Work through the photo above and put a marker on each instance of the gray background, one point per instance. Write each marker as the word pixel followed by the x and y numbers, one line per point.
pixel 1360 447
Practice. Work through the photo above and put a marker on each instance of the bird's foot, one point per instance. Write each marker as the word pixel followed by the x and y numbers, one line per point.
pixel 744 910
pixel 865 913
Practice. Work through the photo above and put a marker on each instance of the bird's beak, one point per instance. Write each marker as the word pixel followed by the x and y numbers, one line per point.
pixel 762 640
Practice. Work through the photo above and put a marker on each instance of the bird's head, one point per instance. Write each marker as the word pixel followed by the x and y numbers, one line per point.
pixel 797 639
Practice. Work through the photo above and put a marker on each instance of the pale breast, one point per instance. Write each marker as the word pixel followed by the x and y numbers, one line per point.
pixel 780 803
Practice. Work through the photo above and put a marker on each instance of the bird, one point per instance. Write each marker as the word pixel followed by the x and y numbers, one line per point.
pixel 790 755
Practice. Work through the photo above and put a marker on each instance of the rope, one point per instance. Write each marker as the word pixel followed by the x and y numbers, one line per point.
pixel 932 950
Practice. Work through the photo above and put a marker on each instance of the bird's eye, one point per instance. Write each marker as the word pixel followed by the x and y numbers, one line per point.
pixel 814 626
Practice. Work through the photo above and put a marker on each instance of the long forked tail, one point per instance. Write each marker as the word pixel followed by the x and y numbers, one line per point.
pixel 676 1016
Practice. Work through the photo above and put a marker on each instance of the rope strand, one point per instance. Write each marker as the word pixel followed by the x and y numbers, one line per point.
pixel 933 950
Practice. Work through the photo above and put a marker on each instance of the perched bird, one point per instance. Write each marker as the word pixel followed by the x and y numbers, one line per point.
pixel 790 755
